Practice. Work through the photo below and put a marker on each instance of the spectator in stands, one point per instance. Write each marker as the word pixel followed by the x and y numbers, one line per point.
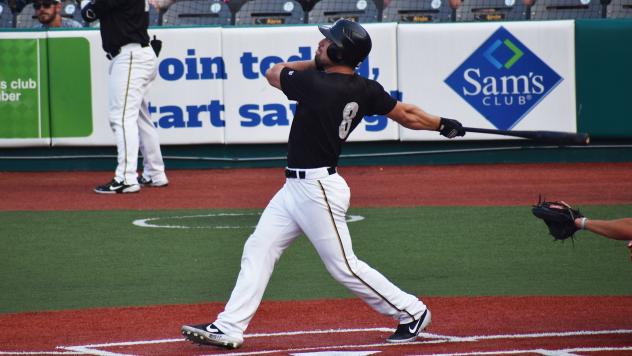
pixel 161 5
pixel 48 13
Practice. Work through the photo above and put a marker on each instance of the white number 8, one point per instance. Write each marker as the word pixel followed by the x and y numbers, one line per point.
pixel 348 114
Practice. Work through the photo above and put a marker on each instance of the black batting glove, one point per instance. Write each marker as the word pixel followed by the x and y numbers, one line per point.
pixel 450 128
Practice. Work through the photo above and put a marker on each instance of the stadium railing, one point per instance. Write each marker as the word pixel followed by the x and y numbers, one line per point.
pixel 20 13
pixel 414 11
pixel 270 12
pixel 197 13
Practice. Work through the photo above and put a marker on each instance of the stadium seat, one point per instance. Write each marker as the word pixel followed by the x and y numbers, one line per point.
pixel 270 12
pixel 197 13
pixel 418 11
pixel 72 10
pixel 491 10
pixel 6 16
pixel 566 9
pixel 620 9
pixel 328 11
pixel 26 18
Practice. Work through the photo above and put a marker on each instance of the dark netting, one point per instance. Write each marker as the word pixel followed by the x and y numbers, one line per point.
pixel 492 10
pixel 412 11
pixel 21 14
pixel 270 12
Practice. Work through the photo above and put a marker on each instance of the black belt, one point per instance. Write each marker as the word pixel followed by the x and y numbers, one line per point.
pixel 291 173
pixel 116 52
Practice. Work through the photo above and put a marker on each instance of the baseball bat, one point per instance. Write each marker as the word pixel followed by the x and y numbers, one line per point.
pixel 557 137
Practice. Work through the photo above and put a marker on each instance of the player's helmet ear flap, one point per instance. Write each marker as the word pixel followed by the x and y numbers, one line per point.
pixel 335 53
pixel 351 43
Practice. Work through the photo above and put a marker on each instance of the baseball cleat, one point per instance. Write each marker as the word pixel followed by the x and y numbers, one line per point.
pixel 209 334
pixel 148 182
pixel 409 332
pixel 114 187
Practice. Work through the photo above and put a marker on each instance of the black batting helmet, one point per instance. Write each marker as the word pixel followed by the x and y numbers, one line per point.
pixel 351 43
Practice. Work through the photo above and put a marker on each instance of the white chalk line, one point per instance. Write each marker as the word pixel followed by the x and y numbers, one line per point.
pixel 91 349
pixel 561 352
pixel 151 222
pixel 94 349
pixel 40 353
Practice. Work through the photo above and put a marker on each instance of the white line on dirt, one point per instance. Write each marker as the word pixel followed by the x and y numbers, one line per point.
pixel 93 349
pixel 83 350
pixel 562 352
pixel 39 353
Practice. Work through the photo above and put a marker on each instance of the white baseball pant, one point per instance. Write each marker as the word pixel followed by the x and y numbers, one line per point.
pixel 316 206
pixel 130 74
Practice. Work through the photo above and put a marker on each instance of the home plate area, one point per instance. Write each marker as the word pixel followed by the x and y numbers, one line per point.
pixel 359 342
pixel 528 325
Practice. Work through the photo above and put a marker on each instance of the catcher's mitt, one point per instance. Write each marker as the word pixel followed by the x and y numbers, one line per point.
pixel 559 218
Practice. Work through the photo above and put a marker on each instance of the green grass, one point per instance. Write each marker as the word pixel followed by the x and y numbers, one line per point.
pixel 71 260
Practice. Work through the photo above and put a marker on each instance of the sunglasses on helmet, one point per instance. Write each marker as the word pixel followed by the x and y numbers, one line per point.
pixel 46 4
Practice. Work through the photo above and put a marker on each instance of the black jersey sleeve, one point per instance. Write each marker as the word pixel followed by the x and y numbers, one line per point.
pixel 382 101
pixel 297 85
pixel 101 6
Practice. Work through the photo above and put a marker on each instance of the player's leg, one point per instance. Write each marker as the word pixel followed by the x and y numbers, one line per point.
pixel 323 221
pixel 129 76
pixel 275 232
pixel 153 164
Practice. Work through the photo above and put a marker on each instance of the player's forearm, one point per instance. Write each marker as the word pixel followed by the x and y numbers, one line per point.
pixel 417 119
pixel 620 229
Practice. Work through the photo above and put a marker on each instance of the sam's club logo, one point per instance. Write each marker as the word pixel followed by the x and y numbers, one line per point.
pixel 503 80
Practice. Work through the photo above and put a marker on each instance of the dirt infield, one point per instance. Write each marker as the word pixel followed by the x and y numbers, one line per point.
pixel 495 325
pixel 461 325
pixel 476 185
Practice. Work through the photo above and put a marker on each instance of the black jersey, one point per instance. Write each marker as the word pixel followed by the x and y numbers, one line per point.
pixel 330 106
pixel 122 22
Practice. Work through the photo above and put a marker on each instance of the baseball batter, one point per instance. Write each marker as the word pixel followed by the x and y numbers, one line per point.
pixel 332 100
pixel 123 26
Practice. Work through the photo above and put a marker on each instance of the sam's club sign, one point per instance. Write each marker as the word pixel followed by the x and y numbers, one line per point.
pixel 503 80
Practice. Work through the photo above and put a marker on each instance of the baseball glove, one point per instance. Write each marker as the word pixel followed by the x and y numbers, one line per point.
pixel 559 217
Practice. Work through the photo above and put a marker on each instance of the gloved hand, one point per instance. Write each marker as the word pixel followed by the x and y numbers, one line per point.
pixel 450 128
pixel 559 217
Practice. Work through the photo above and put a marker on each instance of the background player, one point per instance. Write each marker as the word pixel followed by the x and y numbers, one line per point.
pixel 332 100
pixel 123 26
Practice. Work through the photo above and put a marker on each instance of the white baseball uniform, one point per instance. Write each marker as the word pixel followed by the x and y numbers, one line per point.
pixel 315 199
pixel 130 73
pixel 123 28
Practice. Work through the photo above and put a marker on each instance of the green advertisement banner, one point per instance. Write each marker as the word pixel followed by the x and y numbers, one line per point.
pixel 23 105
pixel 45 88
pixel 70 87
